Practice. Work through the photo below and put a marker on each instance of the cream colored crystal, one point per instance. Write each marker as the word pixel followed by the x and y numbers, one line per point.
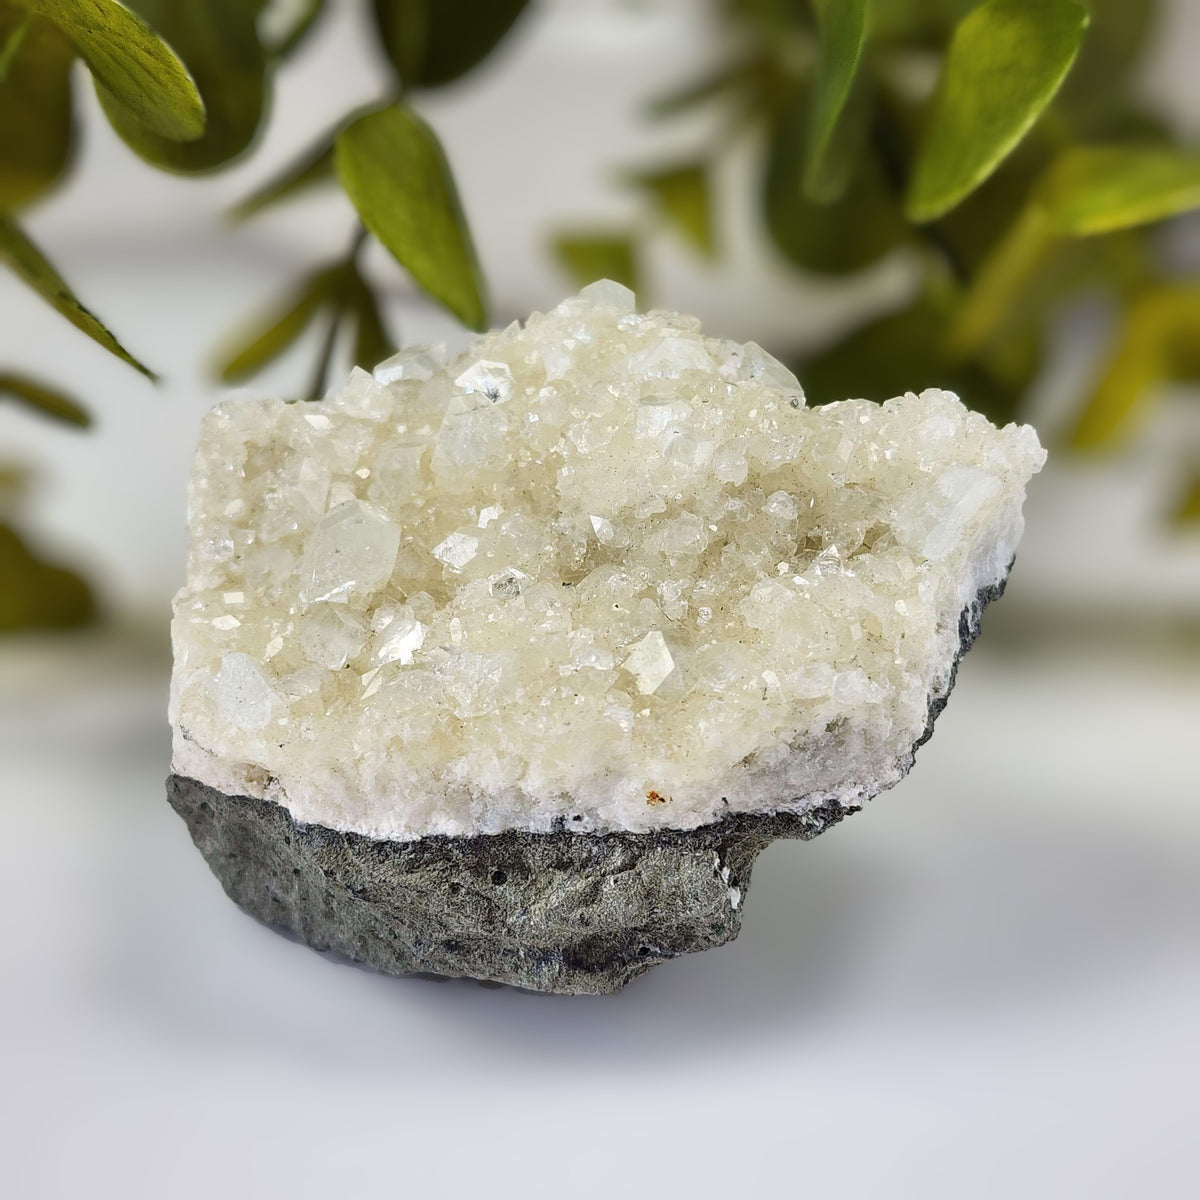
pixel 598 571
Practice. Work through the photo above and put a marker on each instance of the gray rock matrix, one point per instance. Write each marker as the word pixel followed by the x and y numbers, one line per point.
pixel 562 912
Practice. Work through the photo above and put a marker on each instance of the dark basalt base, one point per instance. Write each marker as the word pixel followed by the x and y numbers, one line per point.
pixel 550 912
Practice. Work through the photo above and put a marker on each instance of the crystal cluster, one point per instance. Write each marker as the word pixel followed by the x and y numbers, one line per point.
pixel 596 572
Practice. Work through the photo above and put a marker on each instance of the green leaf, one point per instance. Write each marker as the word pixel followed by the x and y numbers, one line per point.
pixel 842 28
pixel 1006 273
pixel 35 108
pixel 35 594
pixel 46 400
pixel 826 238
pixel 1098 189
pixel 434 42
pixel 394 170
pixel 136 72
pixel 33 267
pixel 1158 342
pixel 1086 191
pixel 271 335
pixel 313 167
pixel 218 40
pixel 588 256
pixel 903 351
pixel 1187 509
pixel 683 195
pixel 1005 62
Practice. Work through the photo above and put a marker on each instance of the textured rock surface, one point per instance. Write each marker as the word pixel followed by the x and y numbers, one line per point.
pixel 551 912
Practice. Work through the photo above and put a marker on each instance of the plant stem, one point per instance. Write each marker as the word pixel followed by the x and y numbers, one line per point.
pixel 316 389
pixel 320 376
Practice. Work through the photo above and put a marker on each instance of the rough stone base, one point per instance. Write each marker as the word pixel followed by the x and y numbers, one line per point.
pixel 551 912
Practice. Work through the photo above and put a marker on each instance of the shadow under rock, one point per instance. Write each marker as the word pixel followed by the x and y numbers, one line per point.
pixel 984 915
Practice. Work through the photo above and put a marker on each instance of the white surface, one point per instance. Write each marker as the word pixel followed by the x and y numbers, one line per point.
pixel 984 985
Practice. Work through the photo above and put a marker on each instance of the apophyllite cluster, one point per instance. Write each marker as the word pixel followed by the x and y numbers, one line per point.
pixel 506 664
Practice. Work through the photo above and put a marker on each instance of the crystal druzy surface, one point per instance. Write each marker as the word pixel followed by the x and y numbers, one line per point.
pixel 597 572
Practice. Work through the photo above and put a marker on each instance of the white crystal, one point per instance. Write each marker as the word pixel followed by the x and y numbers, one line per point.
pixel 589 558
pixel 509 583
pixel 353 550
pixel 400 636
pixel 330 636
pixel 457 550
pixel 602 527
pixel 650 662
pixel 244 697
pixel 493 380
pixel 414 362
pixel 604 293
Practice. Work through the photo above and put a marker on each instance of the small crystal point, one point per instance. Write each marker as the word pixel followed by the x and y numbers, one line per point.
pixel 493 380
pixel 607 293
pixel 414 362
pixel 353 550
pixel 457 550
pixel 650 662
pixel 244 697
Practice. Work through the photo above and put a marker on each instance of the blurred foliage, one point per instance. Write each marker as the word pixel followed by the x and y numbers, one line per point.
pixel 1000 144
pixel 187 87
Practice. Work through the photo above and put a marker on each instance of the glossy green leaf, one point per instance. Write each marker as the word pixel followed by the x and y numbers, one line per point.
pixel 48 401
pixel 682 194
pixel 273 334
pixel 33 267
pixel 136 72
pixel 392 167
pixel 312 168
pixel 1187 508
pixel 35 594
pixel 589 256
pixel 1098 189
pixel 434 42
pixel 842 29
pixel 35 108
pixel 832 239
pixel 1158 342
pixel 218 40
pixel 1005 62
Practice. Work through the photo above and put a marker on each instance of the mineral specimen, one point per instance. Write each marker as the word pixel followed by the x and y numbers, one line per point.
pixel 507 664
